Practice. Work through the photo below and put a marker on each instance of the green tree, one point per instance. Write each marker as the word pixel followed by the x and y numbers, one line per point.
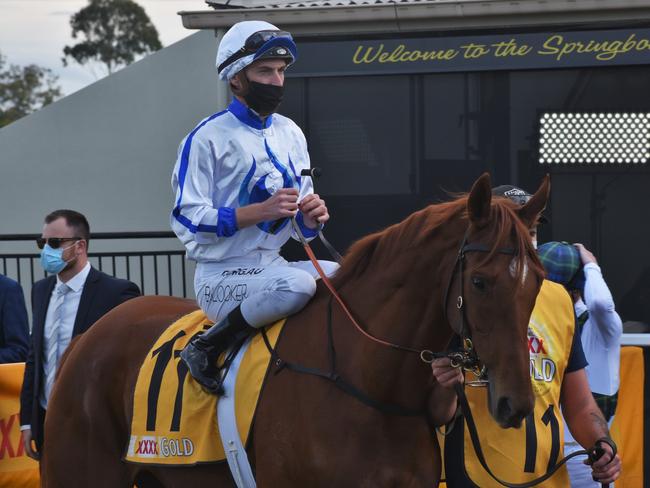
pixel 113 33
pixel 24 89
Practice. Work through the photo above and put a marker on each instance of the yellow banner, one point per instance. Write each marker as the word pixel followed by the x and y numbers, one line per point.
pixel 628 426
pixel 16 469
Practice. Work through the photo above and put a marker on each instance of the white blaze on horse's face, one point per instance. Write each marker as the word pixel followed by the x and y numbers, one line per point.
pixel 514 267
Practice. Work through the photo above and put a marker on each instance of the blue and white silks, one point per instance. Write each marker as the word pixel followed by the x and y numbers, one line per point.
pixel 229 160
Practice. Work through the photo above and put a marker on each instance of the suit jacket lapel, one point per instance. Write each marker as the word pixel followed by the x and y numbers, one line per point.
pixel 90 288
pixel 41 309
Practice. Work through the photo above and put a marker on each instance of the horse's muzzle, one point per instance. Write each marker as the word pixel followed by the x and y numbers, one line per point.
pixel 507 415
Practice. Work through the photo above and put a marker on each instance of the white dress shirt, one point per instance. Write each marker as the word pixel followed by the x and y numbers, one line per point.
pixel 59 324
pixel 601 335
pixel 601 342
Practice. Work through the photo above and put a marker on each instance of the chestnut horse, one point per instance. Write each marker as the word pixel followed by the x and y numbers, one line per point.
pixel 307 432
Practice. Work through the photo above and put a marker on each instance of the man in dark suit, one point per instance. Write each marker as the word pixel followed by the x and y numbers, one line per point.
pixel 14 331
pixel 64 305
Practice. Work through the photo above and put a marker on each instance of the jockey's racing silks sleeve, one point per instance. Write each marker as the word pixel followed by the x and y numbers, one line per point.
pixel 232 159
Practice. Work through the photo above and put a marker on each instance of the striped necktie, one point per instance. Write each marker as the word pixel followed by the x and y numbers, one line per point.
pixel 54 351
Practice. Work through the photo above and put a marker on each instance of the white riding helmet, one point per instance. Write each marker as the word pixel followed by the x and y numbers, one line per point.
pixel 248 41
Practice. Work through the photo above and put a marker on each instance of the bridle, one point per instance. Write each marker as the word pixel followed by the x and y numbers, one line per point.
pixel 466 357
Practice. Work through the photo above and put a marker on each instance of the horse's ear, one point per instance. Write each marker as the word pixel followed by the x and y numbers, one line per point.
pixel 479 200
pixel 530 212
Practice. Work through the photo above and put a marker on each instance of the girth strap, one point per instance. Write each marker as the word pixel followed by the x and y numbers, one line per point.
pixel 333 376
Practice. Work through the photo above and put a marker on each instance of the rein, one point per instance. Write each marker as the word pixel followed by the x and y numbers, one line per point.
pixel 465 357
pixel 337 297
pixel 593 453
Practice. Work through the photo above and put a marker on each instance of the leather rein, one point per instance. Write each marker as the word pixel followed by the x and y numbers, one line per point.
pixel 594 453
pixel 464 357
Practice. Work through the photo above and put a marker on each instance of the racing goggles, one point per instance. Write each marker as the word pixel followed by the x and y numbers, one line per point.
pixel 519 198
pixel 255 42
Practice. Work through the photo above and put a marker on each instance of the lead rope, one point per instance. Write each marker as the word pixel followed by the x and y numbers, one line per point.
pixel 593 454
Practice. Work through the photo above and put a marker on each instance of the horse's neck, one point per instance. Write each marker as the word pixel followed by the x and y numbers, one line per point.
pixel 401 303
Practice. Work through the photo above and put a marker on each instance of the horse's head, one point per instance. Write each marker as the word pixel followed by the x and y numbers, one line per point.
pixel 500 277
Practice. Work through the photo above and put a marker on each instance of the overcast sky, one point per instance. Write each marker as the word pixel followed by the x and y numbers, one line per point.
pixel 35 31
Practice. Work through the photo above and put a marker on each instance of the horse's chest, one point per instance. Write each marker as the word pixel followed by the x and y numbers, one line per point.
pixel 394 477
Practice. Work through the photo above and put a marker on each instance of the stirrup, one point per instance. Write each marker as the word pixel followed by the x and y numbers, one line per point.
pixel 223 369
pixel 200 357
pixel 199 362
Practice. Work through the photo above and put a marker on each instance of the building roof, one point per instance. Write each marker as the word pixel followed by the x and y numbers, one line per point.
pixel 327 17
pixel 273 4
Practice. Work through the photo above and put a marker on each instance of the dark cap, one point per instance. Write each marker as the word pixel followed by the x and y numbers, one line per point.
pixel 517 195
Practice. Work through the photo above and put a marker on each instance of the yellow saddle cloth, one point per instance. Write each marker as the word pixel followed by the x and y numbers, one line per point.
pixel 174 420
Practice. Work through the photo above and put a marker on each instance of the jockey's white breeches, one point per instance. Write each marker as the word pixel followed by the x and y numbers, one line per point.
pixel 267 287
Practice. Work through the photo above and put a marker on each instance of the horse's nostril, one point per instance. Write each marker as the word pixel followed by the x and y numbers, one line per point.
pixel 507 414
pixel 504 409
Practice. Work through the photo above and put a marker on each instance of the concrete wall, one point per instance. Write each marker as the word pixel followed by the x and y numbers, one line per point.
pixel 109 149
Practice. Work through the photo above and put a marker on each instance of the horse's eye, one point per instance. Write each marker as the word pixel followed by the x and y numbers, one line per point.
pixel 478 283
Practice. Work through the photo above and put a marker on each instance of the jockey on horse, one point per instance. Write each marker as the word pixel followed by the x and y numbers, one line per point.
pixel 237 185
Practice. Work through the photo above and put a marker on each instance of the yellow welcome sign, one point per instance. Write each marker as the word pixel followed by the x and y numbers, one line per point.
pixel 439 54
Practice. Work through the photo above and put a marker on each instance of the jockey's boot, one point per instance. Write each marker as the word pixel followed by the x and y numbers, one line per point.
pixel 201 354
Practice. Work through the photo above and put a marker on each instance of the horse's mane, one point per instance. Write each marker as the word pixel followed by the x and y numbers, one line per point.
pixel 426 224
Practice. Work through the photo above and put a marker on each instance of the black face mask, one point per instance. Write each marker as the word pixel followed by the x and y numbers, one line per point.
pixel 264 99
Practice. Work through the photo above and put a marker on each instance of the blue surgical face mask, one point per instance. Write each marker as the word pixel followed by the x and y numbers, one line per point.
pixel 52 259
